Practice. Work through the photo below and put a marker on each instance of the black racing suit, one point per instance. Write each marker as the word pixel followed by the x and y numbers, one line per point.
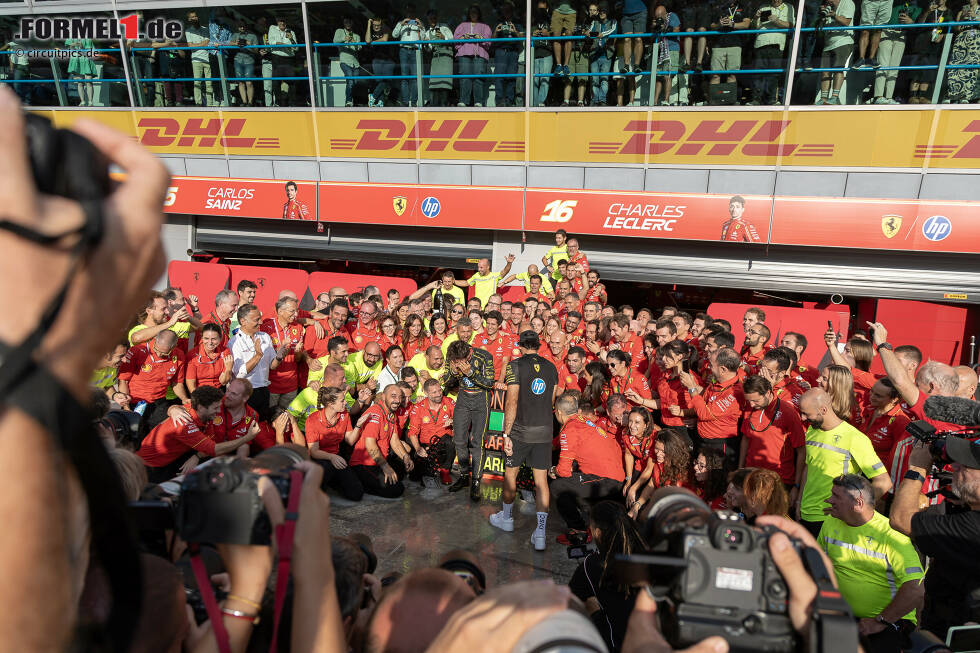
pixel 472 411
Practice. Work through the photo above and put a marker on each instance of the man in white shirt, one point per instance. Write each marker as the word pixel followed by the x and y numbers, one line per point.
pixel 837 48
pixel 770 48
pixel 197 34
pixel 283 60
pixel 408 29
pixel 254 357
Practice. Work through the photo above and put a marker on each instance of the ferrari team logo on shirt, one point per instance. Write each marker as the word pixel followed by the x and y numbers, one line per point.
pixel 147 367
pixel 399 204
pixel 217 421
pixel 425 420
pixel 890 225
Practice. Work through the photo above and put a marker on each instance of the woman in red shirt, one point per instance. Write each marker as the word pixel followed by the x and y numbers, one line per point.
pixel 627 380
pixel 413 340
pixel 388 333
pixel 668 466
pixel 456 313
pixel 638 443
pixel 211 364
pixel 327 429
pixel 596 390
pixel 710 479
pixel 438 328
pixel 675 401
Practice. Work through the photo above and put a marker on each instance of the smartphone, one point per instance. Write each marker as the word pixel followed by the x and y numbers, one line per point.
pixel 686 365
pixel 765 15
pixel 830 325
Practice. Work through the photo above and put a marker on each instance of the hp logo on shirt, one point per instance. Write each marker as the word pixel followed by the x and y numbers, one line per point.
pixel 431 207
pixel 937 227
pixel 538 386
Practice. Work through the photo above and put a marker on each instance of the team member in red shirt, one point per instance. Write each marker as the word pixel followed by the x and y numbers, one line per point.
pixel 624 339
pixel 334 325
pixel 379 451
pixel 147 373
pixel 225 305
pixel 682 322
pixel 772 435
pixel 388 333
pixel 367 326
pixel 498 344
pixel 884 421
pixel 713 342
pixel 570 372
pixel 574 326
pixel 797 343
pixel 211 363
pixel 575 256
pixel 636 441
pixel 600 467
pixel 774 368
pixel 717 406
pixel 857 356
pixel 430 432
pixel 628 381
pixel 329 432
pixel 235 417
pixel 554 351
pixel 287 338
pixel 596 291
pixel 755 347
pixel 413 339
pixel 676 407
pixel 167 447
pixel 669 465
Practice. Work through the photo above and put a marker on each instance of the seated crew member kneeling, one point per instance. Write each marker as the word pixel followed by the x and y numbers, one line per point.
pixel 167 448
pixel 430 432
pixel 599 459
pixel 380 458
pixel 328 430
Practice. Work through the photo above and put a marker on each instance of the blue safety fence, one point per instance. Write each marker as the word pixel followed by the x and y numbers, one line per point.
pixel 132 74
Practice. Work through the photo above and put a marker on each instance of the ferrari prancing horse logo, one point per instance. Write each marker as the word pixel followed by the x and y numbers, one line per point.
pixel 399 204
pixel 890 225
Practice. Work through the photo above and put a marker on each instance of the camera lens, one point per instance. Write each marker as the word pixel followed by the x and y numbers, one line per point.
pixel 222 478
pixel 279 458
pixel 671 510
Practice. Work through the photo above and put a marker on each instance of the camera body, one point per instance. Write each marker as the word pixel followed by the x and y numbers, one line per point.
pixel 717 573
pixel 659 24
pixel 220 502
pixel 927 434
pixel 765 15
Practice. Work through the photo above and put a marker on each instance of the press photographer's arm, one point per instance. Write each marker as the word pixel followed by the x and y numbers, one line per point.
pixel 909 491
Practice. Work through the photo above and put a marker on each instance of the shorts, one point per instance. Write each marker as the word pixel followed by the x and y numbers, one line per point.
pixel 876 12
pixel 633 23
pixel 537 455
pixel 245 68
pixel 578 63
pixel 726 58
pixel 672 63
pixel 562 24
pixel 693 18
pixel 837 57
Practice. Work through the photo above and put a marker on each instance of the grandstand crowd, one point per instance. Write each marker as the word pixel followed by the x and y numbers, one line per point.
pixel 383 391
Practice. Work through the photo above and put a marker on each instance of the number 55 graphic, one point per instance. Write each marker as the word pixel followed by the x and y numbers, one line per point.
pixel 559 211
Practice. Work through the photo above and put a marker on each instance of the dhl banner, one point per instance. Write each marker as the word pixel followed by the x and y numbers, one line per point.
pixel 912 138
pixel 747 219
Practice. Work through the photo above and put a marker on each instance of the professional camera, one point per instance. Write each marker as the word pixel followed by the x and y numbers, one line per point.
pixel 714 571
pixel 64 163
pixel 220 502
pixel 659 24
pixel 927 434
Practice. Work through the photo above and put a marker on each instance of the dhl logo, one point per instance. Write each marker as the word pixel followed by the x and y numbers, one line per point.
pixel 709 137
pixel 200 132
pixel 970 150
pixel 427 135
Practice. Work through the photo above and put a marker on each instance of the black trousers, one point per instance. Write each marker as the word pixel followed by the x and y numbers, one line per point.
pixel 440 453
pixel 373 479
pixel 574 493
pixel 889 640
pixel 469 430
pixel 259 400
pixel 345 481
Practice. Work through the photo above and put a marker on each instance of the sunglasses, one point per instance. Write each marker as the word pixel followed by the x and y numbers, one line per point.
pixel 457 312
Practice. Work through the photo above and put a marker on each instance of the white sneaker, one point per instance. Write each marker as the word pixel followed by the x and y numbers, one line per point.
pixel 478 104
pixel 538 540
pixel 503 523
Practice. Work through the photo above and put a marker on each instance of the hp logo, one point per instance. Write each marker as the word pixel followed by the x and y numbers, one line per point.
pixel 430 207
pixel 538 385
pixel 937 227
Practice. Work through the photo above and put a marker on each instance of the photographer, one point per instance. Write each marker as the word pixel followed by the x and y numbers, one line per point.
pixel 408 28
pixel 837 47
pixel 951 540
pixel 505 55
pixel 244 62
pixel 543 57
pixel 349 64
pixel 726 51
pixel 770 49
pixel 602 52
pixel 577 63
pixel 668 52
pixel 440 59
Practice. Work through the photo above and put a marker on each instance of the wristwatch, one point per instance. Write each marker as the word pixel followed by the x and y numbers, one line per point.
pixel 881 620
pixel 885 345
pixel 913 475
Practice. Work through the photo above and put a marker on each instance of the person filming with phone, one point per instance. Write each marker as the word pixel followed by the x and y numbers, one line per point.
pixel 718 405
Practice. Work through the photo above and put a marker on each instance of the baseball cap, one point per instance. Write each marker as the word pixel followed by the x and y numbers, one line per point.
pixel 963 451
pixel 528 340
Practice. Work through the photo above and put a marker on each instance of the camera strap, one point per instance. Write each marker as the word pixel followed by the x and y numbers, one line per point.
pixel 207 595
pixel 284 542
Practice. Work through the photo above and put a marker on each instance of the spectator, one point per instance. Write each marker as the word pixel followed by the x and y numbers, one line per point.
pixel 726 51
pixel 577 63
pixel 837 48
pixel 472 57
pixel 873 12
pixel 382 60
pixel 735 493
pixel 964 83
pixel 283 61
pixel 543 58
pixel 198 35
pixel 349 63
pixel 20 71
pixel 891 48
pixel 82 68
pixel 928 46
pixel 668 52
pixel 607 601
pixel 633 21
pixel 505 54
pixel 218 35
pixel 833 445
pixel 694 18
pixel 763 493
pixel 878 570
pixel 440 61
pixel 770 50
pixel 601 54
pixel 262 30
pixel 245 63
pixel 563 21
pixel 172 64
pixel 408 28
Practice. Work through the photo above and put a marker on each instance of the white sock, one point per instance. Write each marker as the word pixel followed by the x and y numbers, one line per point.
pixel 542 520
pixel 508 509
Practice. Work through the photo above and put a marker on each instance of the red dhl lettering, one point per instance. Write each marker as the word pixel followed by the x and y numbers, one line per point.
pixel 378 135
pixel 199 132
